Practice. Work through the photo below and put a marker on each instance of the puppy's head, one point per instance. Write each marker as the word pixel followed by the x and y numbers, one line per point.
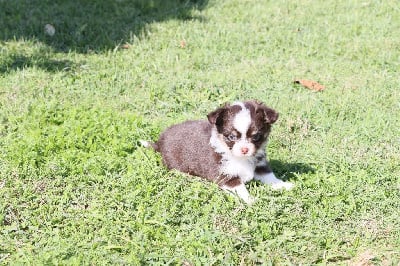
pixel 243 127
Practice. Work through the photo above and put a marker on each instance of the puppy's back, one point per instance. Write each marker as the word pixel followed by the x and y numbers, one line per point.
pixel 186 147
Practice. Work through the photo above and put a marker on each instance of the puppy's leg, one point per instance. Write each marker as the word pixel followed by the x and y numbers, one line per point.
pixel 264 174
pixel 237 187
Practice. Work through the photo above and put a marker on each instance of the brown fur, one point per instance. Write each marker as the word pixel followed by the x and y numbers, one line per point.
pixel 185 147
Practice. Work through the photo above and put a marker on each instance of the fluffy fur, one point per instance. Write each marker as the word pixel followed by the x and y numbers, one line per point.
pixel 228 148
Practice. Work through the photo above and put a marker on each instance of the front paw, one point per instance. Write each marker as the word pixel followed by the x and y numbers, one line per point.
pixel 283 185
pixel 250 200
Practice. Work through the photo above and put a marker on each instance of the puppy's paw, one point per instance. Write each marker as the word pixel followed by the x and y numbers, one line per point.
pixel 283 185
pixel 250 201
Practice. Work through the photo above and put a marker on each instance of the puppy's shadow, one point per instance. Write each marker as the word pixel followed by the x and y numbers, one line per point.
pixel 289 171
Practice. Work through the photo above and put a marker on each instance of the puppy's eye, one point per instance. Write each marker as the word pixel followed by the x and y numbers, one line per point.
pixel 256 137
pixel 232 137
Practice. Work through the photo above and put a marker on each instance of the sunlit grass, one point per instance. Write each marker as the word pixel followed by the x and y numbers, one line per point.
pixel 77 188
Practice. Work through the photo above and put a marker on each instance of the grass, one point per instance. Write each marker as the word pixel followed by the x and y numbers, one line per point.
pixel 76 187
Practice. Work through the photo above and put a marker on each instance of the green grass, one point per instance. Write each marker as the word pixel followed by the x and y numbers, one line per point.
pixel 76 187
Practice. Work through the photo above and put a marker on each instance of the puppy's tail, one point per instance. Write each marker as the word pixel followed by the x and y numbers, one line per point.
pixel 149 145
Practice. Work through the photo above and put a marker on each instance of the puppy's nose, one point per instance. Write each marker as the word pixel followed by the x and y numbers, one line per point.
pixel 244 150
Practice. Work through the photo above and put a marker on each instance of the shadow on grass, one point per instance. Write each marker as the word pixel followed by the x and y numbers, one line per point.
pixel 91 25
pixel 20 61
pixel 288 171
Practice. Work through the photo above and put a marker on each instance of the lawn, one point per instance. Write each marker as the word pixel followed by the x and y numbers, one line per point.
pixel 76 188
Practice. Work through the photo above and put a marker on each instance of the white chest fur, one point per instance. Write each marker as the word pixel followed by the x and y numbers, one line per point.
pixel 243 168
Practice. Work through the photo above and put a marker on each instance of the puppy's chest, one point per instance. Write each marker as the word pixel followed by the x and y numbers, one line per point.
pixel 243 168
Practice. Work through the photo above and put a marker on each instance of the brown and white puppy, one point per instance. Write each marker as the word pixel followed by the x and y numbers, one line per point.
pixel 228 149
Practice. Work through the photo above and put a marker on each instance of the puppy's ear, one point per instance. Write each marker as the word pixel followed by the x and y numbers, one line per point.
pixel 270 115
pixel 216 117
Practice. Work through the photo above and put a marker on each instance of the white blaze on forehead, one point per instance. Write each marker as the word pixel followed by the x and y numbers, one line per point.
pixel 242 119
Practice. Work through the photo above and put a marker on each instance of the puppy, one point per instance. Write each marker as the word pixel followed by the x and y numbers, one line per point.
pixel 228 149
